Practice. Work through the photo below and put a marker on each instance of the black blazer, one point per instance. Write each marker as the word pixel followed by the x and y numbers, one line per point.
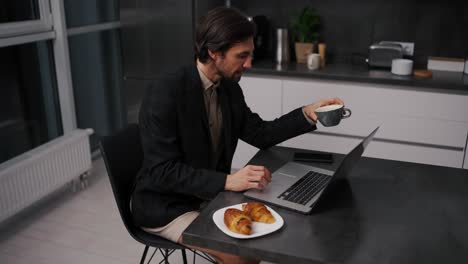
pixel 178 173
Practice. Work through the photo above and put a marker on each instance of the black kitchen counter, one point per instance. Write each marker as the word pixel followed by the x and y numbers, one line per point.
pixel 442 81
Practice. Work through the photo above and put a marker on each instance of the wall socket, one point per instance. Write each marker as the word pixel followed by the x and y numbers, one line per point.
pixel 408 47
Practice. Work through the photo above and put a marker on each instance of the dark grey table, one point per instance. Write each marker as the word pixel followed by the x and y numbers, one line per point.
pixel 385 212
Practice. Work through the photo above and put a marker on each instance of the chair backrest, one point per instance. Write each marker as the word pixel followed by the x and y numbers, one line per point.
pixel 123 156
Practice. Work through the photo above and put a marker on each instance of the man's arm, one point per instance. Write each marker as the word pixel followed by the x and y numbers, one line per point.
pixel 263 134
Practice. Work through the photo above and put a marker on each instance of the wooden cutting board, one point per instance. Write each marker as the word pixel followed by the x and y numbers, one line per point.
pixel 422 73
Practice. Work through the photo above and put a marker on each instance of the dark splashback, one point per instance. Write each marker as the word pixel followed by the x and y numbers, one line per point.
pixel 438 28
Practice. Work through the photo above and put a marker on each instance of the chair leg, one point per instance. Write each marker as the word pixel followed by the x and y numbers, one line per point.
pixel 204 255
pixel 166 258
pixel 143 257
pixel 184 256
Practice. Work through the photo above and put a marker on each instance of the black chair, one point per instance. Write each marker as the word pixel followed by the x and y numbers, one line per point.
pixel 123 156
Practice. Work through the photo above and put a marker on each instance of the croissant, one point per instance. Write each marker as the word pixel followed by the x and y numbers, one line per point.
pixel 258 212
pixel 237 221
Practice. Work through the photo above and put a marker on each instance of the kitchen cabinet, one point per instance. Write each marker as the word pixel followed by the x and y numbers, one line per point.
pixel 465 163
pixel 422 126
pixel 416 126
pixel 263 96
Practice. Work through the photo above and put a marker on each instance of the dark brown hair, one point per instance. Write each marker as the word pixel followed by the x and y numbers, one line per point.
pixel 219 30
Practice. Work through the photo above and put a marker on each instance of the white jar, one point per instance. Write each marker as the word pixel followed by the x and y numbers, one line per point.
pixel 402 67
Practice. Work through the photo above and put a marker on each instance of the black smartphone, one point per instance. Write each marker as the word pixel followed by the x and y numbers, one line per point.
pixel 313 157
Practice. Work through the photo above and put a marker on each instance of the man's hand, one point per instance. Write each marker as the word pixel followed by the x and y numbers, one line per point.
pixel 249 177
pixel 309 110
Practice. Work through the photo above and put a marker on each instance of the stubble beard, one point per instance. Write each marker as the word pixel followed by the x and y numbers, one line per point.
pixel 236 76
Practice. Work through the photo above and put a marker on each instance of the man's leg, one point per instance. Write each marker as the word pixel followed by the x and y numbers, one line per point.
pixel 222 257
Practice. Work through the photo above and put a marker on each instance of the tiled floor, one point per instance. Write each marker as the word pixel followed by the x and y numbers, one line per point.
pixel 80 227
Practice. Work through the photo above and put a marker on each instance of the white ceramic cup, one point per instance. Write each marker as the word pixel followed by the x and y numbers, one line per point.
pixel 313 61
pixel 402 67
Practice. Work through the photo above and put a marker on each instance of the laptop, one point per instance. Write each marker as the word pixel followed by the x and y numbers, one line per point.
pixel 299 187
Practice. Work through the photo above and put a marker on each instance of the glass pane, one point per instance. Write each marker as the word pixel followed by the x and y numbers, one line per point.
pixel 29 108
pixel 87 12
pixel 18 10
pixel 96 74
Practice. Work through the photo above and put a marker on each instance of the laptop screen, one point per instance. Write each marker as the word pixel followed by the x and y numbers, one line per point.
pixel 353 157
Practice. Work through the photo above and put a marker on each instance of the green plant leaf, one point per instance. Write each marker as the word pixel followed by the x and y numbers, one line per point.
pixel 305 26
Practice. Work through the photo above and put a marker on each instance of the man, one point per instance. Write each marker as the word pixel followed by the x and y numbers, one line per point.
pixel 190 123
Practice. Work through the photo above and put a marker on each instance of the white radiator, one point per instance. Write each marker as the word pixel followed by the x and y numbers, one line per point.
pixel 31 176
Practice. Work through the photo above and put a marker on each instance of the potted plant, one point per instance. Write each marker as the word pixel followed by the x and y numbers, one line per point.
pixel 305 29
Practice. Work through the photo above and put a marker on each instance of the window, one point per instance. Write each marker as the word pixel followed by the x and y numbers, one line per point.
pixel 89 12
pixel 19 17
pixel 29 109
pixel 43 58
pixel 95 66
pixel 94 50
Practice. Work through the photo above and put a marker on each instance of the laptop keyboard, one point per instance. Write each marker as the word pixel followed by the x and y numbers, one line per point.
pixel 306 188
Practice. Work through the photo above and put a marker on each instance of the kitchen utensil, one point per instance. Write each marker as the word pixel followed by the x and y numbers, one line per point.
pixel 422 73
pixel 402 66
pixel 466 66
pixel 313 61
pixel 321 49
pixel 331 115
pixel 445 64
pixel 262 37
pixel 282 46
pixel 382 54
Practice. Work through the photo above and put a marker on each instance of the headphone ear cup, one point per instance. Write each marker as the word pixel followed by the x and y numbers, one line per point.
pixel 203 53
pixel 201 50
pixel 201 46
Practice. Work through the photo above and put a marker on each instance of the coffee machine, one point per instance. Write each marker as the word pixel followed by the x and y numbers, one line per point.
pixel 262 40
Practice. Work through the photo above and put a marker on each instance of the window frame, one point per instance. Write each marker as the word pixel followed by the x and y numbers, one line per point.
pixel 52 26
pixel 43 24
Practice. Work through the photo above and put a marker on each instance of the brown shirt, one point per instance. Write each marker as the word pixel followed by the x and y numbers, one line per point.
pixel 213 110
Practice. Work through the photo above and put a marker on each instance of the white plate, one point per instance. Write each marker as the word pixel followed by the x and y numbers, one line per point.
pixel 258 229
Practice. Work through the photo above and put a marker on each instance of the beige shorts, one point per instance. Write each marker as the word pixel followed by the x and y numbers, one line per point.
pixel 174 229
